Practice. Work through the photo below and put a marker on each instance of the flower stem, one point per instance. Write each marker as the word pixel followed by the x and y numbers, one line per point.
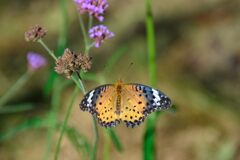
pixel 87 48
pixel 52 116
pixel 94 153
pixel 151 43
pixel 84 32
pixel 90 21
pixel 149 135
pixel 95 128
pixel 13 90
pixel 73 97
pixel 48 50
pixel 81 83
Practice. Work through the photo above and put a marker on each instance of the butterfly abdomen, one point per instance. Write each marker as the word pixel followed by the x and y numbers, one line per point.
pixel 119 99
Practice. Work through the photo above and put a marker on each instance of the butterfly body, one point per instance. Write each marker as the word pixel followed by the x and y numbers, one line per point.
pixel 129 103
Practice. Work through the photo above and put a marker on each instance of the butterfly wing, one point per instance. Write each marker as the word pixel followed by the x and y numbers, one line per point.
pixel 100 102
pixel 139 101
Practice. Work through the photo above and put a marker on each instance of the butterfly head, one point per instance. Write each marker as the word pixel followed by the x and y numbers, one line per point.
pixel 118 83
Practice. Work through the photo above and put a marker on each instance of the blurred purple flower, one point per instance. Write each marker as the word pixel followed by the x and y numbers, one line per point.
pixel 94 7
pixel 35 60
pixel 99 34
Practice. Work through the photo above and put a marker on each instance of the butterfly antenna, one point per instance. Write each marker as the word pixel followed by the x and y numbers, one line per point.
pixel 126 71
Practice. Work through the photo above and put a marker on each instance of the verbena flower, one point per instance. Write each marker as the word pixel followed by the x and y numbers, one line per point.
pixel 94 7
pixel 70 62
pixel 35 60
pixel 99 34
pixel 35 33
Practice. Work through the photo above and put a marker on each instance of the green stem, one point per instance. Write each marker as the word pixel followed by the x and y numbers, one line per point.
pixel 82 86
pixel 75 80
pixel 151 43
pixel 87 48
pixel 90 21
pixel 52 116
pixel 73 97
pixel 94 153
pixel 85 38
pixel 15 88
pixel 149 143
pixel 106 144
pixel 62 40
pixel 95 128
pixel 47 49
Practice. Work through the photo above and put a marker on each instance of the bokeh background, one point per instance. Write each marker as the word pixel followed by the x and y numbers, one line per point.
pixel 198 66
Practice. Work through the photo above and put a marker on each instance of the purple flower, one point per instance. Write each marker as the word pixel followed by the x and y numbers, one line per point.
pixel 94 7
pixel 35 60
pixel 99 34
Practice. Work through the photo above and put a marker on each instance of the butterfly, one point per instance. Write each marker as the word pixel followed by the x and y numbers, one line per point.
pixel 129 103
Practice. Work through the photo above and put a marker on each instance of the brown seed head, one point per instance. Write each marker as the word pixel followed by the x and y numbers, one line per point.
pixel 35 33
pixel 84 61
pixel 70 62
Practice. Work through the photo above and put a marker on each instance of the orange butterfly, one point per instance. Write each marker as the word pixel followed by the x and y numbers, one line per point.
pixel 130 103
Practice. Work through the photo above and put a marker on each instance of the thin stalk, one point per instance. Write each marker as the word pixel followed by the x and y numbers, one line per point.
pixel 149 143
pixel 69 110
pixel 106 144
pixel 52 116
pixel 75 80
pixel 85 38
pixel 94 152
pixel 87 48
pixel 151 43
pixel 47 49
pixel 62 40
pixel 15 88
pixel 95 128
pixel 81 83
pixel 90 21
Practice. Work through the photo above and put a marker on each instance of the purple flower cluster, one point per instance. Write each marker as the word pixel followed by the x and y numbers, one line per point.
pixel 94 7
pixel 99 34
pixel 35 60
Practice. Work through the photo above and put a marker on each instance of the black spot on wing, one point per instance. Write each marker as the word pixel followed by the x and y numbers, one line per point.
pixel 155 101
pixel 132 124
pixel 108 124
pixel 88 102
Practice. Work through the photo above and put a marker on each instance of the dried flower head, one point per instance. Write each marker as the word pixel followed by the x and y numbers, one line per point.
pixel 99 34
pixel 70 62
pixel 35 33
pixel 35 60
pixel 94 7
pixel 84 61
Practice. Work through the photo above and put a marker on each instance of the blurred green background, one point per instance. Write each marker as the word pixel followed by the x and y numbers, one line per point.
pixel 198 67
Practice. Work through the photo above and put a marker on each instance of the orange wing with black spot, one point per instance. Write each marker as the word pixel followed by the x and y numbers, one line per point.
pixel 139 101
pixel 101 103
pixel 136 102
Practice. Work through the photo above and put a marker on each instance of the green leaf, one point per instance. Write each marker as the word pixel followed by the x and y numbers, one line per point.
pixel 28 124
pixel 79 141
pixel 114 137
pixel 16 108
